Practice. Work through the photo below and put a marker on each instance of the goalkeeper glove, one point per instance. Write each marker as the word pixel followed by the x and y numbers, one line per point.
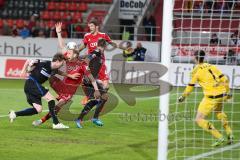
pixel 181 99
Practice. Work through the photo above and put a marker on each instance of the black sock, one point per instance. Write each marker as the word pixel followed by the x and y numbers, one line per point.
pixel 87 108
pixel 99 108
pixel 26 112
pixel 51 106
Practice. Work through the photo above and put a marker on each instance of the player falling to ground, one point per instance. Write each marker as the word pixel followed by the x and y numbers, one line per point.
pixel 215 86
pixel 67 87
pixel 90 41
pixel 40 73
pixel 95 66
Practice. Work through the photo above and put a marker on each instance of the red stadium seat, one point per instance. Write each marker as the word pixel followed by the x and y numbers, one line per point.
pixel 64 34
pixel 1 23
pixel 106 1
pixel 50 24
pixel 10 22
pixel 78 28
pixel 56 15
pixel 20 23
pixel 72 7
pixel 82 7
pixel 65 15
pixel 46 15
pixel 77 15
pixel 51 6
pixel 62 6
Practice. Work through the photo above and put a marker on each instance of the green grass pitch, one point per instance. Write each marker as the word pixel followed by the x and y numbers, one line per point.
pixel 128 132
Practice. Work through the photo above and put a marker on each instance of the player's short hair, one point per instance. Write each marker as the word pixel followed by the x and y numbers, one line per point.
pixel 199 55
pixel 58 57
pixel 102 42
pixel 94 21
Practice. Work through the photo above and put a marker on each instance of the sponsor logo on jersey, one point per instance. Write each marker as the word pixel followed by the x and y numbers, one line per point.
pixel 93 44
pixel 43 72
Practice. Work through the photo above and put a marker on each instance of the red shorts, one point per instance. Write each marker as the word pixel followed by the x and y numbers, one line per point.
pixel 103 73
pixel 64 91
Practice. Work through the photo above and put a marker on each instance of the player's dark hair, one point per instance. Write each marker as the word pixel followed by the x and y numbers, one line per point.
pixel 102 43
pixel 199 55
pixel 58 57
pixel 94 21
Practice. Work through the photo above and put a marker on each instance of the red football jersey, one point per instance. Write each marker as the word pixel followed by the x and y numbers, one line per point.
pixel 76 67
pixel 90 40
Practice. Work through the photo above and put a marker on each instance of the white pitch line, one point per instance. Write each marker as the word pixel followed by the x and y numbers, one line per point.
pixel 214 152
pixel 3 116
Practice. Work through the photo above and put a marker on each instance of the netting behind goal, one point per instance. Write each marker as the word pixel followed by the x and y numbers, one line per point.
pixel 212 26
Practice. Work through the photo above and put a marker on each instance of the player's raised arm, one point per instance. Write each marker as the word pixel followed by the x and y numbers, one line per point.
pixel 61 43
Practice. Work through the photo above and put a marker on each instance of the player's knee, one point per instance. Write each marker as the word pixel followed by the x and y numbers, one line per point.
pixel 105 97
pixel 221 115
pixel 48 97
pixel 38 107
pixel 51 103
pixel 198 120
pixel 105 85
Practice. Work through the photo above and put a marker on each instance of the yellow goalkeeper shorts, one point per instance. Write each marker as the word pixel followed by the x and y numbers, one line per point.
pixel 207 105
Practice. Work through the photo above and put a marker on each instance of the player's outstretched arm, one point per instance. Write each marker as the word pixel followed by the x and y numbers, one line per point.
pixel 61 43
pixel 81 47
pixel 189 88
pixel 114 44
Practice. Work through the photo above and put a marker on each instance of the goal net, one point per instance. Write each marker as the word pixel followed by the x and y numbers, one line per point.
pixel 211 26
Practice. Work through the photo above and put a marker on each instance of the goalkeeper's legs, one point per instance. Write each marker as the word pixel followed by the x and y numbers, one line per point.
pixel 205 107
pixel 207 126
pixel 223 118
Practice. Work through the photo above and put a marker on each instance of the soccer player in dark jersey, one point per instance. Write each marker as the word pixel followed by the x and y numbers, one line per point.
pixel 40 73
pixel 95 66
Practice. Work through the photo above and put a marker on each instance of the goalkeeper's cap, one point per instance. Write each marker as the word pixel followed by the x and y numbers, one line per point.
pixel 199 55
pixel 71 46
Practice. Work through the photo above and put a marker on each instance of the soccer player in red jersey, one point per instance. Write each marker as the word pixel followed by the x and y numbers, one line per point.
pixel 90 42
pixel 67 87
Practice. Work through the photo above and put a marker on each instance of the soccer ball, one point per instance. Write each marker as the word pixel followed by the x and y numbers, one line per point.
pixel 71 45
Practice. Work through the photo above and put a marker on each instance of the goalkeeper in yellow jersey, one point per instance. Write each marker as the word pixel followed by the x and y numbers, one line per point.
pixel 215 87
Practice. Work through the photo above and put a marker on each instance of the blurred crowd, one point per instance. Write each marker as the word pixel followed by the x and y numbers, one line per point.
pixel 36 27
pixel 234 41
pixel 209 6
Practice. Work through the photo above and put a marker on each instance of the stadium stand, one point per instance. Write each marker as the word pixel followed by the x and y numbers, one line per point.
pixel 196 21
pixel 49 12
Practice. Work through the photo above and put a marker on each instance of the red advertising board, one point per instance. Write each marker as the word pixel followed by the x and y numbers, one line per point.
pixel 14 67
pixel 188 50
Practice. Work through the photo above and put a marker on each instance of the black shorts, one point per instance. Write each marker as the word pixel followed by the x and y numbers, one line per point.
pixel 34 92
pixel 89 89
